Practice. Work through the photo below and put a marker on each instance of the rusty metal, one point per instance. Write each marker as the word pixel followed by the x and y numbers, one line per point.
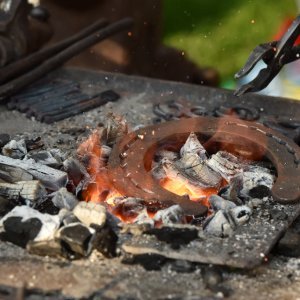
pixel 12 87
pixel 27 63
pixel 131 158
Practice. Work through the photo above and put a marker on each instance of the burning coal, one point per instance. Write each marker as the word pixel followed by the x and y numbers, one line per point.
pixel 223 182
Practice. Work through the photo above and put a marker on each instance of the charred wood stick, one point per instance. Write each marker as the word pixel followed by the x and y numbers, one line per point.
pixel 42 101
pixel 16 85
pixel 22 102
pixel 80 108
pixel 29 62
pixel 61 106
pixel 51 178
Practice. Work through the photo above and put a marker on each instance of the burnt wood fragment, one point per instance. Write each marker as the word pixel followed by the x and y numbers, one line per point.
pixel 50 178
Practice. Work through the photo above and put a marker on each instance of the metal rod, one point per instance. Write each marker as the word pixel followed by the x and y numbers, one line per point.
pixel 29 62
pixel 16 85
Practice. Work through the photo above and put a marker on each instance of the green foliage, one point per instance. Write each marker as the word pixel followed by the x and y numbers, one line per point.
pixel 222 33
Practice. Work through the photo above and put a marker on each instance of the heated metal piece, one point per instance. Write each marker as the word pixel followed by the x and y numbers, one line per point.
pixel 275 54
pixel 242 112
pixel 131 158
pixel 174 110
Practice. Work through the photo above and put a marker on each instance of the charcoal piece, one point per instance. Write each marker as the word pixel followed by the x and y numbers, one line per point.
pixel 182 266
pixel 171 215
pixel 49 224
pixel 218 203
pixel 175 236
pixel 135 229
pixel 226 164
pixel 14 174
pixel 34 143
pixel 15 149
pixel 20 232
pixel 289 244
pixel 45 158
pixel 260 192
pixel 255 176
pixel 278 215
pixel 193 146
pixel 76 171
pixel 29 191
pixel 4 139
pixel 64 199
pixel 76 238
pixel 51 178
pixel 150 262
pixel 5 206
pixel 50 248
pixel 46 207
pixel 240 214
pixel 90 213
pixel 218 225
pixel 67 217
pixel 192 165
pixel 105 241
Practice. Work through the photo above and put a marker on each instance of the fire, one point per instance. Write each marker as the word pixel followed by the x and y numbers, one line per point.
pixel 182 188
pixel 99 189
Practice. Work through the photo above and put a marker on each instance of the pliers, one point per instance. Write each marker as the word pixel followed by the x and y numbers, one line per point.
pixel 275 55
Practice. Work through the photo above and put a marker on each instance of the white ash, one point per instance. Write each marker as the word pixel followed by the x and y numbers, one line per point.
pixel 90 213
pixel 171 215
pixel 64 199
pixel 15 149
pixel 49 223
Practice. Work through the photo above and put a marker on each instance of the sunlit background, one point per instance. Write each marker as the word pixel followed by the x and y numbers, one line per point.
pixel 221 34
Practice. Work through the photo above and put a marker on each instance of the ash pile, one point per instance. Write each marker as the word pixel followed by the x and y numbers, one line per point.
pixel 54 204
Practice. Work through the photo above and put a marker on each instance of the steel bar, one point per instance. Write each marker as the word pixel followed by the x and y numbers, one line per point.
pixel 16 85
pixel 29 62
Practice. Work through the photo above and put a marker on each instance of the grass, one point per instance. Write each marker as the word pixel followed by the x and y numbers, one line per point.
pixel 222 33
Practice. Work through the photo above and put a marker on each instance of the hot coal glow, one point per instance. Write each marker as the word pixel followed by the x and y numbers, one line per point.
pixel 188 171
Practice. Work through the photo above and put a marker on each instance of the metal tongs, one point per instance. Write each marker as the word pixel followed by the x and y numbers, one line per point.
pixel 275 54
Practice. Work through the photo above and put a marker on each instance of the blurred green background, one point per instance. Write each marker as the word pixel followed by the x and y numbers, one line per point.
pixel 222 33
